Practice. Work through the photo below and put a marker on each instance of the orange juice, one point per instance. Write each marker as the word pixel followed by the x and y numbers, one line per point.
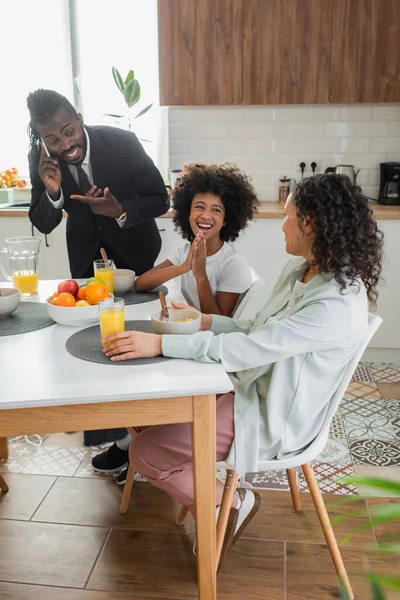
pixel 112 320
pixel 106 275
pixel 25 281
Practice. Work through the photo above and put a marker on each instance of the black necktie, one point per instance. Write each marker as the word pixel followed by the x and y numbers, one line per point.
pixel 84 182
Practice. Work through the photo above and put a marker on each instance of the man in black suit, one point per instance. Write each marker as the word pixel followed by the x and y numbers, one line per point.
pixel 102 178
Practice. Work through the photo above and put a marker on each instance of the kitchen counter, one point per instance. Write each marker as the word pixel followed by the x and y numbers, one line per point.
pixel 267 210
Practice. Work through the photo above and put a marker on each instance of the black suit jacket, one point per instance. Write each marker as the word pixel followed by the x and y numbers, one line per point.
pixel 119 162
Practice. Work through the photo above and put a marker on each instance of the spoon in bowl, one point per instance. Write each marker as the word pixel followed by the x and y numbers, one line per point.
pixel 164 308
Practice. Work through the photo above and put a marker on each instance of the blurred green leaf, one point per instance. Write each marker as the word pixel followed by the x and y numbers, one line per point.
pixel 132 93
pixel 144 111
pixel 377 592
pixel 131 75
pixel 392 583
pixel 377 483
pixel 115 116
pixel 118 79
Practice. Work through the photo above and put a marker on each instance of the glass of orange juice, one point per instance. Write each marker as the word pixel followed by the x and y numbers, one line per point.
pixel 104 270
pixel 112 316
pixel 21 263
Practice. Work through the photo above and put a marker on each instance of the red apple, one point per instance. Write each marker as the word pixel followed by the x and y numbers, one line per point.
pixel 69 285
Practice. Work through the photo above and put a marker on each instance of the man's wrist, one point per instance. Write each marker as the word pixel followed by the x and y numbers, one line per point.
pixel 55 196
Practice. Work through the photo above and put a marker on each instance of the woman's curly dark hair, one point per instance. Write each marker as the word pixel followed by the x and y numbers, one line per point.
pixel 225 181
pixel 347 240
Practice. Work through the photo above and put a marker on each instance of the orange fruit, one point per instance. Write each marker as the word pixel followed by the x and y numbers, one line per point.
pixel 65 299
pixel 81 293
pixel 54 295
pixel 95 291
pixel 54 301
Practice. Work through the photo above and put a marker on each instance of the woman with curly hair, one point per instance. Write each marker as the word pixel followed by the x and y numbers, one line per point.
pixel 288 361
pixel 212 205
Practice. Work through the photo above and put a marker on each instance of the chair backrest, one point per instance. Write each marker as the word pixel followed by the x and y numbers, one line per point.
pixel 256 283
pixel 374 322
pixel 318 444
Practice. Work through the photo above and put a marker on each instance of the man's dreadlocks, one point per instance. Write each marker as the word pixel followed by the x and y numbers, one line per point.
pixel 41 105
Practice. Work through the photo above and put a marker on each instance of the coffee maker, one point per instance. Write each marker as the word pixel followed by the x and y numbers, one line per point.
pixel 389 190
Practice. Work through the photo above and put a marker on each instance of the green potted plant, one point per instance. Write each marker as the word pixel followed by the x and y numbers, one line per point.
pixel 130 89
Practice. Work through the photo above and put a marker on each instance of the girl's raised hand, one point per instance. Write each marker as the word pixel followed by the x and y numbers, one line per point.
pixel 199 256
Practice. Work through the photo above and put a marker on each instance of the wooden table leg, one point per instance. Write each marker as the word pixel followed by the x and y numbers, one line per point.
pixel 3 447
pixel 204 459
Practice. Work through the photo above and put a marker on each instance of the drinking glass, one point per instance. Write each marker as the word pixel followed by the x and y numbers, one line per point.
pixel 104 270
pixel 21 264
pixel 112 316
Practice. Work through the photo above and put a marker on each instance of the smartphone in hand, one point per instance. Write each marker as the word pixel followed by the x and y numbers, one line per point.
pixel 45 148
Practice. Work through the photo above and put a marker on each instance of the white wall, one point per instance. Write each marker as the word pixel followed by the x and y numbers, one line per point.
pixel 270 141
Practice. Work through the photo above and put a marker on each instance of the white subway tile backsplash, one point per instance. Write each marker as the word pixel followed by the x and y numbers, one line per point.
pixel 183 130
pixel 372 128
pixel 270 141
pixel 321 146
pixel 394 129
pixel 291 114
pixel 274 130
pixel 353 145
pixel 388 112
pixel 323 114
pixel 259 114
pixel 340 129
pixel 212 131
pixel 243 130
pixel 385 145
pixel 356 112
pixel 306 130
pixel 289 145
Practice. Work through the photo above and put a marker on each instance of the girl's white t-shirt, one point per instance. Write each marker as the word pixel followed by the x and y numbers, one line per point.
pixel 226 270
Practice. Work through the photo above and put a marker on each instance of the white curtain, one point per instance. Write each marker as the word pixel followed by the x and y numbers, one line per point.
pixel 121 33
pixel 35 53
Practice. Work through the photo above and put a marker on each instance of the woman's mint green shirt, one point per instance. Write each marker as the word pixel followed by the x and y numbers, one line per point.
pixel 288 367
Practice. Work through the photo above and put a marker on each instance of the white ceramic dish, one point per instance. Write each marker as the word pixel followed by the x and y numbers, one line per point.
pixel 73 316
pixel 10 299
pixel 172 326
pixel 123 280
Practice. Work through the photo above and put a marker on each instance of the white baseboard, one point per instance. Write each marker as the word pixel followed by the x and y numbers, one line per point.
pixel 382 355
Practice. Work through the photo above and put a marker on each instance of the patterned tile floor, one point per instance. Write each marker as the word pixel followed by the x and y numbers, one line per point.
pixel 364 435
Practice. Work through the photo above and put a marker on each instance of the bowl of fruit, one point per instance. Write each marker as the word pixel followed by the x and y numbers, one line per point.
pixel 75 305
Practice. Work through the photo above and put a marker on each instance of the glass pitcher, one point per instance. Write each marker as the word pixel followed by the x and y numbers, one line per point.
pixel 22 264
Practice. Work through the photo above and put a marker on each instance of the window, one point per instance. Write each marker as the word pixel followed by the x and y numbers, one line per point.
pixel 105 33
pixel 34 55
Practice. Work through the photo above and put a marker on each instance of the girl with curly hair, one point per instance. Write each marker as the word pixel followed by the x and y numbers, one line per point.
pixel 288 361
pixel 212 205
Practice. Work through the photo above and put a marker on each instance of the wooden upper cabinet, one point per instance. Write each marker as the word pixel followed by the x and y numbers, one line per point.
pixel 286 51
pixel 200 47
pixel 365 61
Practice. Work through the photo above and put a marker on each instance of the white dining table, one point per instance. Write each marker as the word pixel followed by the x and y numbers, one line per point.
pixel 44 389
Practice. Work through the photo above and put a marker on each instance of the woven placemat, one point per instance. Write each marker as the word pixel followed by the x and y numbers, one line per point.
pixel 86 344
pixel 133 297
pixel 29 316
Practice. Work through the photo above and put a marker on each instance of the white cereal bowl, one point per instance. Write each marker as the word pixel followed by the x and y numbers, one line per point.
pixel 73 316
pixel 10 299
pixel 123 280
pixel 172 326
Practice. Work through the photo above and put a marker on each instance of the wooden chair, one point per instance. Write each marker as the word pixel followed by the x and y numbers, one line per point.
pixel 291 465
pixel 3 485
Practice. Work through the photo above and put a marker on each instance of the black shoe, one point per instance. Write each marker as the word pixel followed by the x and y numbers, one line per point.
pixel 113 459
pixel 121 478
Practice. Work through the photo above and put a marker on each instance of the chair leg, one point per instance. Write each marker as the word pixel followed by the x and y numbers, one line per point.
pixel 3 485
pixel 126 494
pixel 180 519
pixel 226 503
pixel 294 490
pixel 327 528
